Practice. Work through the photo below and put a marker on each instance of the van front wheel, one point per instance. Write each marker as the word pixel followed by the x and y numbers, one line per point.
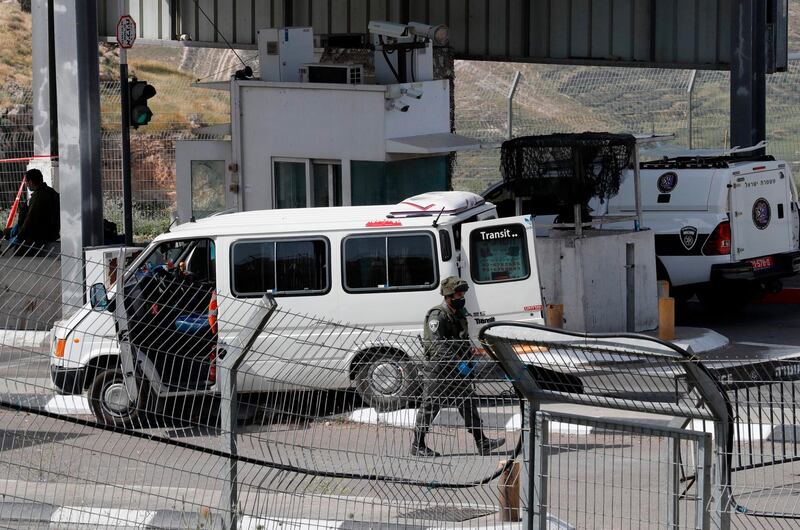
pixel 387 381
pixel 109 401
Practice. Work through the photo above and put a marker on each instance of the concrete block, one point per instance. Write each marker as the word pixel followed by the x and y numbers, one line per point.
pixel 587 276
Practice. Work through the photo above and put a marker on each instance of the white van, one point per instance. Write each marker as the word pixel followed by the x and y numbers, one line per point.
pixel 377 266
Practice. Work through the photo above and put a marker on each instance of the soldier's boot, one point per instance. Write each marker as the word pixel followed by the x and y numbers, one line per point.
pixel 418 447
pixel 486 445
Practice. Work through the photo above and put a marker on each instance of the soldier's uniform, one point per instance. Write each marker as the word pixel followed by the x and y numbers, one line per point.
pixel 447 380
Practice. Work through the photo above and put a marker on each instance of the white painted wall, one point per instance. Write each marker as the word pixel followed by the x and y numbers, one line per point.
pixel 322 121
pixel 587 275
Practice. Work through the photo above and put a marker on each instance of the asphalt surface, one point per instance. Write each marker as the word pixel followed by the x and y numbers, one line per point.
pixel 756 322
pixel 56 474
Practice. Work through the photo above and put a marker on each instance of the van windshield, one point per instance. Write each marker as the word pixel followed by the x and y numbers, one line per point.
pixel 196 258
pixel 499 253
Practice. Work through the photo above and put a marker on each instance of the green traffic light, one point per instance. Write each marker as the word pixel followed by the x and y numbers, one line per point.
pixel 139 112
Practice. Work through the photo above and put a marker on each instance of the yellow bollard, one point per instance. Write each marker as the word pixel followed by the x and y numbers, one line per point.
pixel 508 487
pixel 555 315
pixel 666 318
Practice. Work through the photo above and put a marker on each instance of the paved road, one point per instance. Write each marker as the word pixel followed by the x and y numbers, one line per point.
pixel 775 323
pixel 596 474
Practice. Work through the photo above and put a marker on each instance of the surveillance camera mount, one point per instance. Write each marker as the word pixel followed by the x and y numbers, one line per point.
pixel 402 48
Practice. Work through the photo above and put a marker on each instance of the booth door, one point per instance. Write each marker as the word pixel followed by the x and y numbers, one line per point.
pixel 203 180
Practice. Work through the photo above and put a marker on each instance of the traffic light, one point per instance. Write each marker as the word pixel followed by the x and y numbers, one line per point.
pixel 139 93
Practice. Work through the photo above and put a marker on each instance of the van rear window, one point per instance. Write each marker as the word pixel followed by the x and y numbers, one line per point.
pixel 402 262
pixel 499 254
pixel 279 267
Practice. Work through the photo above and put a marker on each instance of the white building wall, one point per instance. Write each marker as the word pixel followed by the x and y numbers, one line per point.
pixel 322 121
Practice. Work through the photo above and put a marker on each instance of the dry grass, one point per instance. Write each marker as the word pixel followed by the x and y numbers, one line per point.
pixel 176 104
pixel 15 45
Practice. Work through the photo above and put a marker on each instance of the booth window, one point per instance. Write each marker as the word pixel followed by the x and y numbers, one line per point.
pixel 307 183
pixel 208 187
pixel 499 254
pixel 295 267
pixel 381 262
pixel 391 182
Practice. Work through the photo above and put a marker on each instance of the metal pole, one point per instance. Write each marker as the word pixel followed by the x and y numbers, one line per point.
pixel 540 428
pixel 511 93
pixel 578 220
pixel 127 207
pixel 637 185
pixel 630 285
pixel 228 367
pixel 703 485
pixel 690 92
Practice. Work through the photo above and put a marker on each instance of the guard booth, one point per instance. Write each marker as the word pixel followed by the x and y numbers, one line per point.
pixel 310 135
pixel 605 279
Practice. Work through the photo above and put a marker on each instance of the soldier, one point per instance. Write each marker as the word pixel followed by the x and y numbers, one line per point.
pixel 447 379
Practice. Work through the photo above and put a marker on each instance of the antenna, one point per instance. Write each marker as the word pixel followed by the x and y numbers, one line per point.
pixel 436 221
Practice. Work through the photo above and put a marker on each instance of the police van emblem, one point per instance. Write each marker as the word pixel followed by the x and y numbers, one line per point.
pixel 688 237
pixel 761 213
pixel 433 325
pixel 667 182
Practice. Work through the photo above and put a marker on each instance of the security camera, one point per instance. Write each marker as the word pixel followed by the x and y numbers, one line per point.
pixel 388 29
pixel 439 34
pixel 393 104
pixel 411 92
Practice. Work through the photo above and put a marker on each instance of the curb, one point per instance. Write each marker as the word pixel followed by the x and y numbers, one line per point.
pixel 787 295
pixel 12 338
pixel 89 517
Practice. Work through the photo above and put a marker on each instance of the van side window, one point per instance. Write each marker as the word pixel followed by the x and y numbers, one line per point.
pixel 296 267
pixel 499 253
pixel 401 262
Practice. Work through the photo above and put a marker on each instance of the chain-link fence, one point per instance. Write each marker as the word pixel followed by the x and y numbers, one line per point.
pixel 564 99
pixel 167 404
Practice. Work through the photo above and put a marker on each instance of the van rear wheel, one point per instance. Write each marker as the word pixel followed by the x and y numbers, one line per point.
pixel 109 401
pixel 387 380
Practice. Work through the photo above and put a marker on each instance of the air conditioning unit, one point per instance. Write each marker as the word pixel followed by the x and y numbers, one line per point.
pixel 345 74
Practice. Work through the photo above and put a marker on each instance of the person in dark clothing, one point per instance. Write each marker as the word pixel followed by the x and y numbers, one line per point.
pixel 42 223
pixel 447 370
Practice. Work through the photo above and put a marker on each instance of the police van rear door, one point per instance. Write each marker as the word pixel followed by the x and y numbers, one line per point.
pixel 498 259
pixel 761 214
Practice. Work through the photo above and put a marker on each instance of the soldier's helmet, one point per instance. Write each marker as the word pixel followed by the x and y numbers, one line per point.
pixel 453 284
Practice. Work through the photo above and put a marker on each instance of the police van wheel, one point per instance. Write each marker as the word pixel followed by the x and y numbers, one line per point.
pixel 387 381
pixel 109 401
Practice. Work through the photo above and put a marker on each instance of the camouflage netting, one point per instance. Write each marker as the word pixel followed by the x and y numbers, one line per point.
pixel 560 170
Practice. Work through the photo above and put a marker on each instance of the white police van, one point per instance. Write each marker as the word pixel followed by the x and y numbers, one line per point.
pixel 726 223
pixel 377 266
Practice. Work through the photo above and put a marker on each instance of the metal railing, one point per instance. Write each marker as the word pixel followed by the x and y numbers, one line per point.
pixel 272 417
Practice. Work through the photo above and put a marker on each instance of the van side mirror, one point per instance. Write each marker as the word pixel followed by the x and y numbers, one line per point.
pixel 98 296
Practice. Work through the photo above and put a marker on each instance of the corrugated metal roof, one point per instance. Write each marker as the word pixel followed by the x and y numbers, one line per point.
pixel 670 33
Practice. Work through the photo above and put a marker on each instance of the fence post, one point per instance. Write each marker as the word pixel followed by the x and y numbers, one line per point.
pixel 228 366
pixel 674 490
pixel 703 483
pixel 721 507
pixel 690 93
pixel 537 510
